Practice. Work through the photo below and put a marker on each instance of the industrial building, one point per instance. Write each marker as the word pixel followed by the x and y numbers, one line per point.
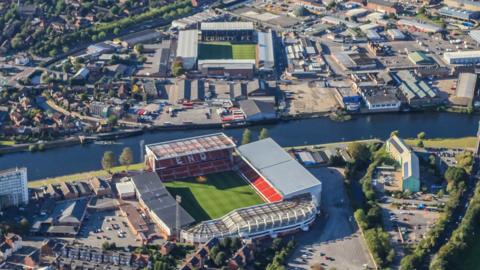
pixel 462 57
pixel 459 14
pixel 159 204
pixel 384 6
pixel 354 61
pixel 258 110
pixel 408 161
pixel 412 26
pixel 420 58
pixel 187 48
pixel 395 34
pixel 466 88
pixel 13 187
pixel 417 93
pixel 463 4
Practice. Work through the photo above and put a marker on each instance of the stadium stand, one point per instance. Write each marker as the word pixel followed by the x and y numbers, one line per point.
pixel 191 157
pixel 257 221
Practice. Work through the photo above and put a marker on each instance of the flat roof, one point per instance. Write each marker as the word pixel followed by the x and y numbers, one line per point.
pixel 278 167
pixel 187 45
pixel 190 146
pixel 461 54
pixel 221 26
pixel 467 83
pixel 158 200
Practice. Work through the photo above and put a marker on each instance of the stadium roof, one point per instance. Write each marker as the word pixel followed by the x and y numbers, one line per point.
pixel 187 43
pixel 190 146
pixel 278 167
pixel 221 26
pixel 256 219
pixel 158 200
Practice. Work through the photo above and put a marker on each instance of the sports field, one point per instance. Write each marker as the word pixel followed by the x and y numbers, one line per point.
pixel 226 50
pixel 213 195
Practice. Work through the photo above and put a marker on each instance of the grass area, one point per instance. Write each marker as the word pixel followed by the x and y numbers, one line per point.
pixel 7 143
pixel 226 50
pixel 465 142
pixel 81 176
pixel 214 195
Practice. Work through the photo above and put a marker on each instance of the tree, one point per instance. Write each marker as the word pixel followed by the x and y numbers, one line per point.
pixel 420 143
pixel 177 68
pixel 247 136
pixel 220 258
pixel 126 157
pixel 455 175
pixel 138 48
pixel 112 120
pixel 263 134
pixel 394 133
pixel 108 160
pixel 24 225
pixel 421 136
pixel 359 152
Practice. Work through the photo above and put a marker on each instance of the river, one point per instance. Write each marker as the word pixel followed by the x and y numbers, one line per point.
pixel 80 158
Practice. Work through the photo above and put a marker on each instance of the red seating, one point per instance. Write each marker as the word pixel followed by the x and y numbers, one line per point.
pixel 261 185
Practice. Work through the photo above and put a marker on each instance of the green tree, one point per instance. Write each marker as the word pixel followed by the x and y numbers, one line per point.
pixel 220 258
pixel 24 226
pixel 138 48
pixel 126 157
pixel 421 136
pixel 394 133
pixel 108 160
pixel 359 152
pixel 177 68
pixel 263 134
pixel 455 175
pixel 247 136
pixel 112 120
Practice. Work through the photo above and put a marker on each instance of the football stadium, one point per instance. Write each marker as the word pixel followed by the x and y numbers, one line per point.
pixel 221 49
pixel 249 191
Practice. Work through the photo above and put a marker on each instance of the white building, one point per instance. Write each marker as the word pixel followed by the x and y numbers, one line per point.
pixel 187 48
pixel 462 57
pixel 266 59
pixel 13 187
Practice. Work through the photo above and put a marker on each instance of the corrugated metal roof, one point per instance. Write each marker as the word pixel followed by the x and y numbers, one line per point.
pixel 187 43
pixel 220 26
pixel 466 85
pixel 278 167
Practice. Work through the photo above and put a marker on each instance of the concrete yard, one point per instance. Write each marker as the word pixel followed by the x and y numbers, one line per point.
pixel 334 240
pixel 308 99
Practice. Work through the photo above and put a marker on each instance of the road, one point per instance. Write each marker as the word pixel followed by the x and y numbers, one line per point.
pixel 335 235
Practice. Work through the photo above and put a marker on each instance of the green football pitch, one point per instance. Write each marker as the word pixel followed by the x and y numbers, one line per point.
pixel 226 50
pixel 214 195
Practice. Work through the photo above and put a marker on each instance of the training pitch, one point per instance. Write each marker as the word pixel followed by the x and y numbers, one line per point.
pixel 226 50
pixel 214 195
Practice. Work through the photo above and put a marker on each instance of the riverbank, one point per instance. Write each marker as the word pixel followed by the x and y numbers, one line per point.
pixel 82 176
pixel 465 142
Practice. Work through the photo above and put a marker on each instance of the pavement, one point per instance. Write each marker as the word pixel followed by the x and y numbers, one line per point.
pixel 334 241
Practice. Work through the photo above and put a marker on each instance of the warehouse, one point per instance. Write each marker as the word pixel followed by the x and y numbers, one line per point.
pixel 466 88
pixel 157 201
pixel 412 25
pixel 278 168
pixel 416 92
pixel 462 57
pixel 459 14
pixel 420 58
pixel 256 110
pixel 395 34
pixel 187 48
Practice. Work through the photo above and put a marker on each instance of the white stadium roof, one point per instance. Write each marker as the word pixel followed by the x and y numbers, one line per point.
pixel 221 26
pixel 278 167
pixel 187 43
